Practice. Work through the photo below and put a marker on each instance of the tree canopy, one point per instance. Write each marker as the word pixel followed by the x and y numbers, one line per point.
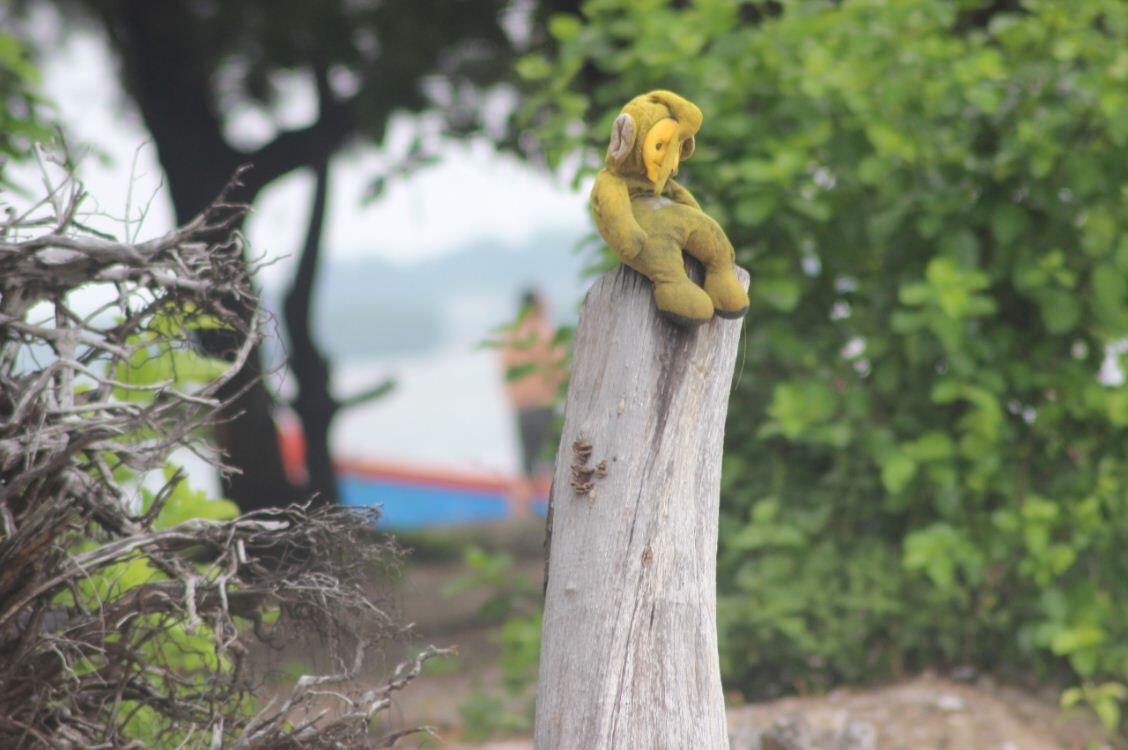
pixel 187 64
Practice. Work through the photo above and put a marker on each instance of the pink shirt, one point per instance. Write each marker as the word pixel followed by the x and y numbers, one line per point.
pixel 531 344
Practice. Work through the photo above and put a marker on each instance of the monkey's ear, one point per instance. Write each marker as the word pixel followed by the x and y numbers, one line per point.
pixel 688 145
pixel 622 139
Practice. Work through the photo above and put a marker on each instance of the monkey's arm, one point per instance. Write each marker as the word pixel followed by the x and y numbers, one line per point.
pixel 611 208
pixel 678 194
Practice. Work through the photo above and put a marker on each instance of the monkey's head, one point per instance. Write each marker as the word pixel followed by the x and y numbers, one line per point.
pixel 653 134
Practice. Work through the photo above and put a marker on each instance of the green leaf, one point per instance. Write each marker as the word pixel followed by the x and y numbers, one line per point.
pixel 564 27
pixel 1008 222
pixel 533 68
pixel 520 372
pixel 932 446
pixel 755 209
pixel 781 292
pixel 1110 290
pixel 915 294
pixel 798 407
pixel 813 209
pixel 1109 713
pixel 1060 311
pixel 1070 640
pixel 184 504
pixel 897 470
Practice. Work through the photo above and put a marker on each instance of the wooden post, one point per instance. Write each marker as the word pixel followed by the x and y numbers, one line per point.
pixel 629 645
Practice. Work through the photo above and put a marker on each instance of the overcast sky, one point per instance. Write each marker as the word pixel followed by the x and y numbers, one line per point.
pixel 473 193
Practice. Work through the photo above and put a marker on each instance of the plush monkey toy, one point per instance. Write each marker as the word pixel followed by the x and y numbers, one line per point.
pixel 648 219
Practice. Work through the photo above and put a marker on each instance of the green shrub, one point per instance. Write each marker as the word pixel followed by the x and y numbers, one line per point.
pixel 922 467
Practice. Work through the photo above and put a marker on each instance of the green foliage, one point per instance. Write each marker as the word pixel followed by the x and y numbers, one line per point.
pixel 1104 699
pixel 20 123
pixel 188 648
pixel 513 603
pixel 485 715
pixel 922 466
pixel 22 117
pixel 155 361
pixel 184 504
pixel 493 572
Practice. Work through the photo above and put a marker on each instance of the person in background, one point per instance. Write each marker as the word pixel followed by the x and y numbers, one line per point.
pixel 533 368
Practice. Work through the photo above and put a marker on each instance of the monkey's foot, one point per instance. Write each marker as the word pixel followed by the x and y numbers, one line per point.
pixel 683 303
pixel 733 315
pixel 726 294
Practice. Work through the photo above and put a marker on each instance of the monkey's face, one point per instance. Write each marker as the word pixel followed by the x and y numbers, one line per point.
pixel 652 136
pixel 660 152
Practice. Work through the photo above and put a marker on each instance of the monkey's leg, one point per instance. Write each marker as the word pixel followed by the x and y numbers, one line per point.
pixel 706 241
pixel 679 300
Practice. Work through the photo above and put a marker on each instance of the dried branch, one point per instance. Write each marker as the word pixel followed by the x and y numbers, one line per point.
pixel 117 629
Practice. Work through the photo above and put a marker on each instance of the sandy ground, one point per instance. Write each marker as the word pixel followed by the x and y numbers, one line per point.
pixel 931 713
pixel 923 713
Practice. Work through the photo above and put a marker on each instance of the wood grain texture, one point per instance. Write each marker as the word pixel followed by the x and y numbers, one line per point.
pixel 629 650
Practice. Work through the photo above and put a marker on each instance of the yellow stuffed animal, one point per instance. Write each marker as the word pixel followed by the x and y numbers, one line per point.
pixel 649 219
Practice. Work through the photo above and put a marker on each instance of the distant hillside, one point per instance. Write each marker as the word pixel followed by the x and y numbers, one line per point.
pixel 370 308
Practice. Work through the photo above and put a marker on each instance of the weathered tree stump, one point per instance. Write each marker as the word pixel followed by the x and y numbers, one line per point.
pixel 629 650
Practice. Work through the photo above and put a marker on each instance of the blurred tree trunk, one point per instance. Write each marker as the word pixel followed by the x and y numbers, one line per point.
pixel 159 62
pixel 314 404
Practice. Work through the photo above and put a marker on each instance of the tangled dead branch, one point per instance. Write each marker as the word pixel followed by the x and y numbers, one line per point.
pixel 123 625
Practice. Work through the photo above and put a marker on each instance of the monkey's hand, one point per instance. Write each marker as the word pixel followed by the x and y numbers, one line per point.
pixel 611 209
pixel 633 246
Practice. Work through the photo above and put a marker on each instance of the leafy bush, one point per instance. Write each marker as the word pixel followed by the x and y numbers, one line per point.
pixel 922 465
